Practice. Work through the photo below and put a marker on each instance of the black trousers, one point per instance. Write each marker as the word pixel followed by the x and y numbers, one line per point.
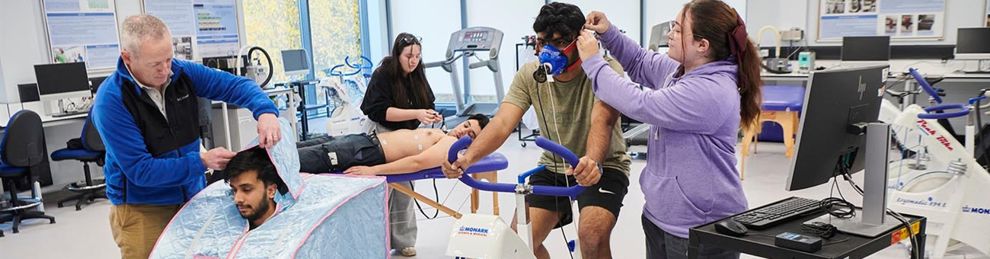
pixel 336 154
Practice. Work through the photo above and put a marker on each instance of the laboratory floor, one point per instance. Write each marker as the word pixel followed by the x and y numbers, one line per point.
pixel 86 234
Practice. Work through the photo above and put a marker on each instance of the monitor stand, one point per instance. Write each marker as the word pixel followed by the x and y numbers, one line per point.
pixel 855 225
pixel 872 220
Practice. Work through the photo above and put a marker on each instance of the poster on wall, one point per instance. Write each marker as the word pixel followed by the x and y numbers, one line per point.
pixel 216 27
pixel 200 28
pixel 181 21
pixel 82 31
pixel 899 19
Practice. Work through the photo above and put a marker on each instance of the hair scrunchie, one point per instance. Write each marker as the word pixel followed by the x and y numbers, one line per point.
pixel 738 38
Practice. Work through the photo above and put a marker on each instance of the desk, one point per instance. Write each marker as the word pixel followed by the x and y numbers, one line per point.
pixel 761 243
pixel 56 133
pixel 37 107
pixel 954 76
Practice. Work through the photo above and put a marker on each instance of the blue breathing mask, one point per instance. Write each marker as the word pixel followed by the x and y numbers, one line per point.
pixel 555 58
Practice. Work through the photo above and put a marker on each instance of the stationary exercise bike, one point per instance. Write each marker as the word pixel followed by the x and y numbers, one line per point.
pixel 948 188
pixel 487 236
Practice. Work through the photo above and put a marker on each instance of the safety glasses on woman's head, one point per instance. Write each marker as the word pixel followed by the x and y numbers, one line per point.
pixel 411 39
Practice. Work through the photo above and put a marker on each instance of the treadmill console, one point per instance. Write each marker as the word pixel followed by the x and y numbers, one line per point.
pixel 475 39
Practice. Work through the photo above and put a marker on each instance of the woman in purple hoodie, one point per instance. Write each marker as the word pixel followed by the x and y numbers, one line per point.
pixel 695 97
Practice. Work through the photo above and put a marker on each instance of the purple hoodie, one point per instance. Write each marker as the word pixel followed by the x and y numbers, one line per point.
pixel 690 177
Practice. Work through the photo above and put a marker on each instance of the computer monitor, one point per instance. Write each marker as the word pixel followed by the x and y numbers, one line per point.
pixel 95 82
pixel 973 43
pixel 61 81
pixel 834 100
pixel 840 133
pixel 658 36
pixel 866 48
pixel 295 62
pixel 28 92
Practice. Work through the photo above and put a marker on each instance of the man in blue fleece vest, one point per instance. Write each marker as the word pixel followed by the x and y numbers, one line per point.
pixel 146 113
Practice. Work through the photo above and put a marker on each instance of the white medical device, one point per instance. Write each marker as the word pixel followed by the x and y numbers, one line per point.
pixel 487 236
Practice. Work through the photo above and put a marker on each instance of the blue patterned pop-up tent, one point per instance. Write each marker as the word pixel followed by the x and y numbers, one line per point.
pixel 321 216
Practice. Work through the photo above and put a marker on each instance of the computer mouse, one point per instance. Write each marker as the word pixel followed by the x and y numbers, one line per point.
pixel 731 227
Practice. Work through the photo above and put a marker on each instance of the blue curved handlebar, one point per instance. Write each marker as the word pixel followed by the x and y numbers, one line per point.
pixel 977 100
pixel 365 62
pixel 364 65
pixel 964 110
pixel 924 85
pixel 555 148
pixel 544 143
pixel 334 72
pixel 570 158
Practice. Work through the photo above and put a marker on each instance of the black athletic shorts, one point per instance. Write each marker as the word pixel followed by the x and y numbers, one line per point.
pixel 336 154
pixel 607 193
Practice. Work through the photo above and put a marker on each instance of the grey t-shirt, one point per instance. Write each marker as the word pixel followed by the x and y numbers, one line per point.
pixel 563 110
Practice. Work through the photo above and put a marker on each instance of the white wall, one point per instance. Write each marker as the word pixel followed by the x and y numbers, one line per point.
pixel 433 20
pixel 3 82
pixel 515 19
pixel 804 14
pixel 622 13
pixel 658 11
pixel 22 46
pixel 378 38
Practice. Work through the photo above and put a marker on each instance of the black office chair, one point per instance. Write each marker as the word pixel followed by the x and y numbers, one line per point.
pixel 21 147
pixel 87 148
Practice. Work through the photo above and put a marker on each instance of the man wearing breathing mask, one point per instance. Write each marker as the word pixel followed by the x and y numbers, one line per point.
pixel 569 113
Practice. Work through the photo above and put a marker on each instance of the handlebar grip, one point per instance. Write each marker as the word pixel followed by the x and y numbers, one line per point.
pixel 335 72
pixel 571 192
pixel 544 143
pixel 568 157
pixel 924 85
pixel 347 61
pixel 977 100
pixel 458 145
pixel 434 64
pixel 462 144
pixel 964 110
pixel 555 148
pixel 478 64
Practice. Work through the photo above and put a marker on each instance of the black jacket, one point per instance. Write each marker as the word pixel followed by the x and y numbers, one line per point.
pixel 380 96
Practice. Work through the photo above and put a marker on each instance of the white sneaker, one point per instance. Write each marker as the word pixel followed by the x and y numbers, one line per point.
pixel 408 251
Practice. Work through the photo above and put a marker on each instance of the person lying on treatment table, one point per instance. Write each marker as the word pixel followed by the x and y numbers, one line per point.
pixel 395 152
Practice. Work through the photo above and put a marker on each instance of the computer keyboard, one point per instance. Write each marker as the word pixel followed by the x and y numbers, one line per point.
pixel 776 213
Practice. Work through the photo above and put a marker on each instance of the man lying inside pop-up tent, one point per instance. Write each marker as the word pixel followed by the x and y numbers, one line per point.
pixel 252 215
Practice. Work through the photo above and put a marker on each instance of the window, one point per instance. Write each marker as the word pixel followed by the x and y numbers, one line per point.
pixel 273 25
pixel 335 28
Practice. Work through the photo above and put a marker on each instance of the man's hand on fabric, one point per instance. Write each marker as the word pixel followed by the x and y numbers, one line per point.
pixel 268 130
pixel 216 158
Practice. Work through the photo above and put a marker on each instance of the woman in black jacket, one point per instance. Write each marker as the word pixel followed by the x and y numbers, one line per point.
pixel 399 97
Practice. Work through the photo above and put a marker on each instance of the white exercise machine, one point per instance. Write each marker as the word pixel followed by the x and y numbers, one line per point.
pixel 487 236
pixel 945 184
